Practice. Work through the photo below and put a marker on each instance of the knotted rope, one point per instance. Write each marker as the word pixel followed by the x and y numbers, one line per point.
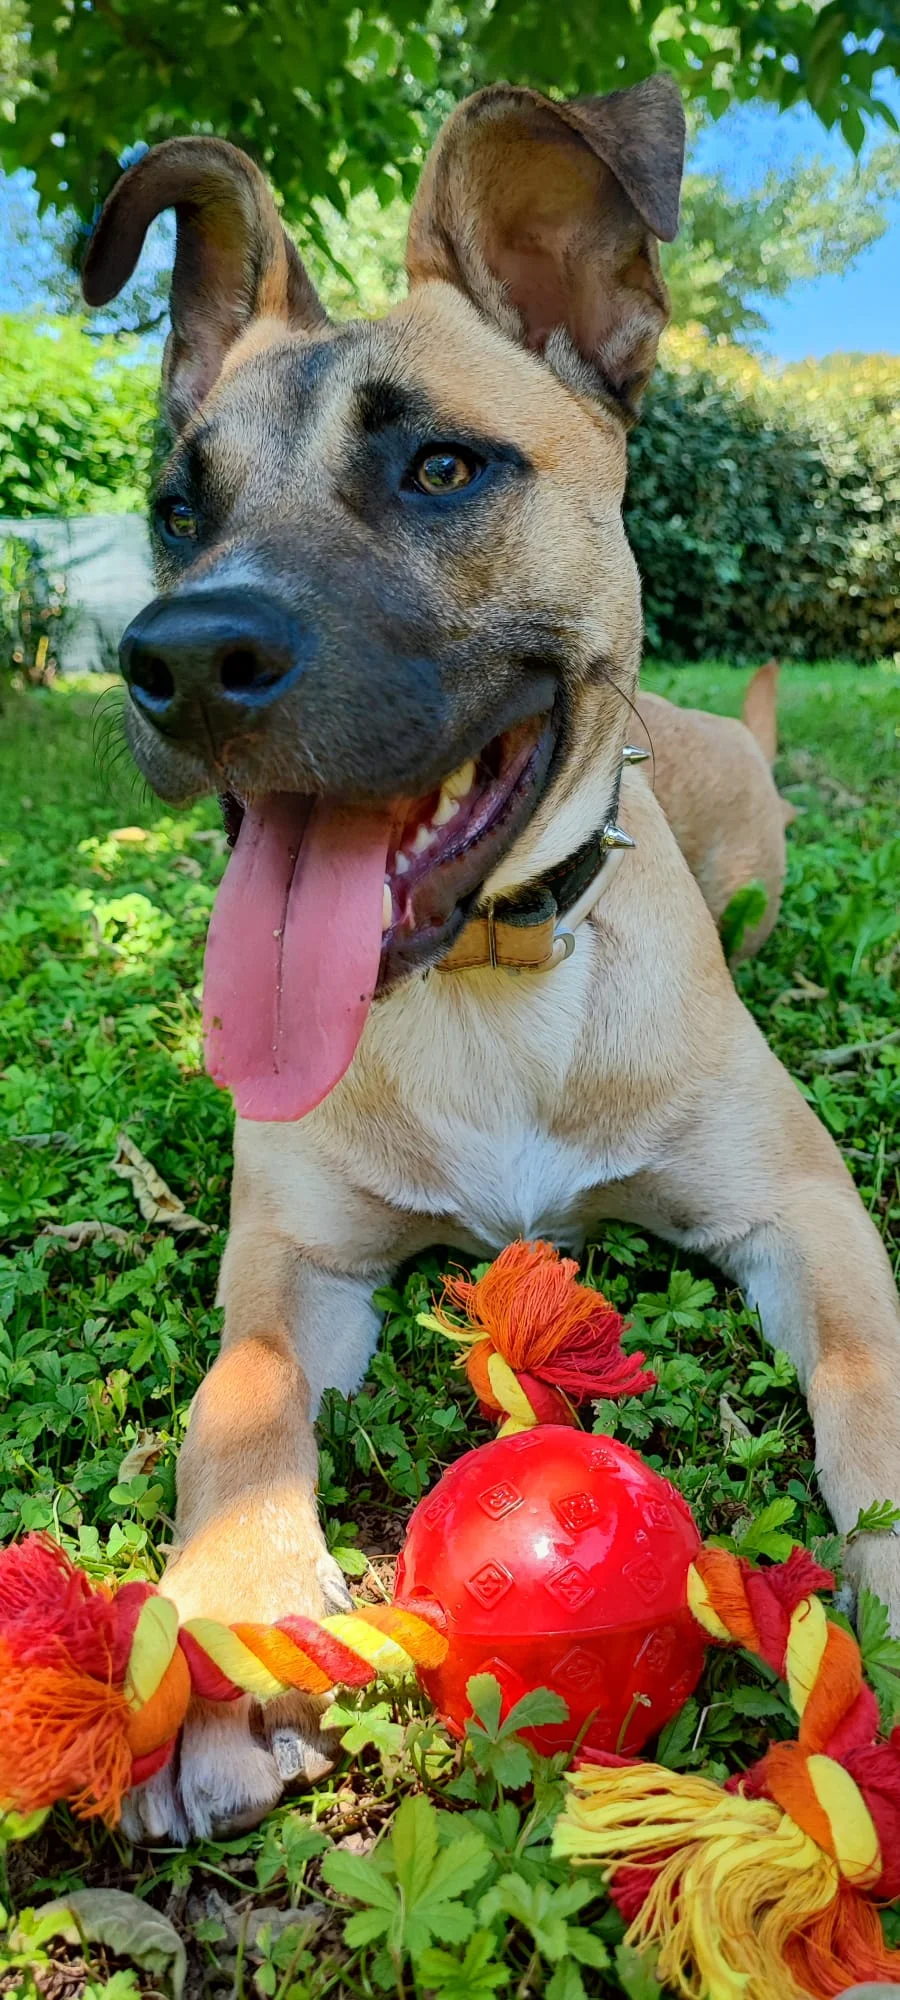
pixel 95 1684
pixel 766 1888
pixel 535 1341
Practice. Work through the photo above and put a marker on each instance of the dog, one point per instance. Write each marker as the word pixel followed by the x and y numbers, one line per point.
pixel 463 975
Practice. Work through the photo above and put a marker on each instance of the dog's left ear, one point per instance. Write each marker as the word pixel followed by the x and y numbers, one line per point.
pixel 547 216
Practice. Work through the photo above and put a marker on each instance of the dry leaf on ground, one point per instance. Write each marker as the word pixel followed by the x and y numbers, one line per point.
pixel 124 1924
pixel 76 1234
pixel 146 1451
pixel 155 1200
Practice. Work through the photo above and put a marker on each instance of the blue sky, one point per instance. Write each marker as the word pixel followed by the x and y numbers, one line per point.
pixel 859 311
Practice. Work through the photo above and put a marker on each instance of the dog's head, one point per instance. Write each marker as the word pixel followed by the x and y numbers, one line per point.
pixel 399 611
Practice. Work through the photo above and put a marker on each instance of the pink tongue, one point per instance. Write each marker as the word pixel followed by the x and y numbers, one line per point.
pixel 293 951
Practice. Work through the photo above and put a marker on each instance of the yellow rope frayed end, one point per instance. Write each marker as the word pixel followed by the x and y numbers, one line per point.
pixel 734 1879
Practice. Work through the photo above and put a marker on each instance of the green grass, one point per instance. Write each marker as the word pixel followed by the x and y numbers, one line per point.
pixel 101 1347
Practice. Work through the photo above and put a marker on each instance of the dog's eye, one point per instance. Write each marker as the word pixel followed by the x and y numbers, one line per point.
pixel 443 469
pixel 178 520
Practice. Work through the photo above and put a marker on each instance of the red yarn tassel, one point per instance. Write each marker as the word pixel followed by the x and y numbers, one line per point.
pixel 64 1646
pixel 531 1307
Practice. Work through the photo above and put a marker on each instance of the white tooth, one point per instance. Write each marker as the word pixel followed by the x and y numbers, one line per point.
pixel 401 865
pixel 447 808
pixel 387 907
pixel 421 840
pixel 460 782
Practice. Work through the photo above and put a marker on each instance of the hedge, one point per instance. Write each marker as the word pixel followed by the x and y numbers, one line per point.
pixel 763 505
pixel 77 418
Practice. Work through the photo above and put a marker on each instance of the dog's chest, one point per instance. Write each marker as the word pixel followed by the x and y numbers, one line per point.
pixel 478 1090
pixel 512 1182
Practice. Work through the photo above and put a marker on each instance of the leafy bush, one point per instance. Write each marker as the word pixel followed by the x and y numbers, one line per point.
pixel 764 507
pixel 76 420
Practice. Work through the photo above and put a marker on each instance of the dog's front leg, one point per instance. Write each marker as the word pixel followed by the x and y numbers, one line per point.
pixel 249 1544
pixel 822 1282
pixel 755 1183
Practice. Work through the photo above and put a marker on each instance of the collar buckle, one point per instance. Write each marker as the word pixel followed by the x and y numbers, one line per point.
pixel 535 934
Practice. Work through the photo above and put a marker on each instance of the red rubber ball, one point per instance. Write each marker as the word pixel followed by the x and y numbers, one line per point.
pixel 559 1560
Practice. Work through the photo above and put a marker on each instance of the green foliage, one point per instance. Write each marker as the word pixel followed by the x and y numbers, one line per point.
pixel 544 1911
pixel 332 96
pixel 475 1976
pixel 103 1344
pixel 356 257
pixel 76 421
pixel 745 910
pixel 764 507
pixel 13 55
pixel 881 1656
pixel 636 1974
pixel 436 1880
pixel 122 1923
pixel 763 1536
pixel 738 247
pixel 496 1745
pixel 411 1886
pixel 35 615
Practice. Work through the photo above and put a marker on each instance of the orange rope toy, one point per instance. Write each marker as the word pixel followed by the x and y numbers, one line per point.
pixel 95 1684
pixel 535 1340
pixel 765 1890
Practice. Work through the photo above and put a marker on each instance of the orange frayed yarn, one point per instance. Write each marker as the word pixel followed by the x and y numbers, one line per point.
pixel 545 1325
pixel 64 1736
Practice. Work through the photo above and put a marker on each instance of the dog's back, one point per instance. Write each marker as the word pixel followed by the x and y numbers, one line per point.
pixel 713 778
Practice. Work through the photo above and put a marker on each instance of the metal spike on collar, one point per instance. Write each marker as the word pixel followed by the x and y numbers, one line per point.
pixel 615 836
pixel 633 754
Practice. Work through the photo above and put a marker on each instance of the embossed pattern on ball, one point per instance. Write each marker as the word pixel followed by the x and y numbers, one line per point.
pixel 560 1560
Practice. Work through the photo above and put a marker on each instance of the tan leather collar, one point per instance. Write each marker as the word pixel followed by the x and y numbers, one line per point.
pixel 534 936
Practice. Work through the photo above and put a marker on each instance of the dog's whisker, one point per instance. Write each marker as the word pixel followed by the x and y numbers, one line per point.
pixel 642 756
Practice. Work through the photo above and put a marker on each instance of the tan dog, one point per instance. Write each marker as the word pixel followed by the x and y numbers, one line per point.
pixel 401 632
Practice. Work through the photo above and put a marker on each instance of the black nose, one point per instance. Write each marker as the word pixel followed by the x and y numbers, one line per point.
pixel 208 652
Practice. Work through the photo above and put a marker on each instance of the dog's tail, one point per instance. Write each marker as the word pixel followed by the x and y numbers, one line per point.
pixel 760 717
pixel 759 713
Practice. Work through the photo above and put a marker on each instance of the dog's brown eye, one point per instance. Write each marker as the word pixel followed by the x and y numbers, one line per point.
pixel 178 519
pixel 444 470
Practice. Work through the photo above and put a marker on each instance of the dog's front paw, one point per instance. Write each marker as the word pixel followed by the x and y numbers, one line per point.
pixel 230 1768
pixel 234 1759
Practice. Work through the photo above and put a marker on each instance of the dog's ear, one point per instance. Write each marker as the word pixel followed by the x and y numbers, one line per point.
pixel 233 261
pixel 547 216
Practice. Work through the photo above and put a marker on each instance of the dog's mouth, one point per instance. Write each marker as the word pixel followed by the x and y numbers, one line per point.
pixel 323 905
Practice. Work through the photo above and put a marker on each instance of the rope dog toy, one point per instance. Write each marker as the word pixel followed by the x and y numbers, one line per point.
pixel 95 1685
pixel 532 1338
pixel 769 1887
pixel 550 1557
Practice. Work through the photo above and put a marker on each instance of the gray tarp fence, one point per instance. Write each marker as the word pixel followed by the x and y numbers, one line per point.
pixel 105 559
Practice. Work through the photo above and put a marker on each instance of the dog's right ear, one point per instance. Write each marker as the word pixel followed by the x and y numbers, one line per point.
pixel 233 261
